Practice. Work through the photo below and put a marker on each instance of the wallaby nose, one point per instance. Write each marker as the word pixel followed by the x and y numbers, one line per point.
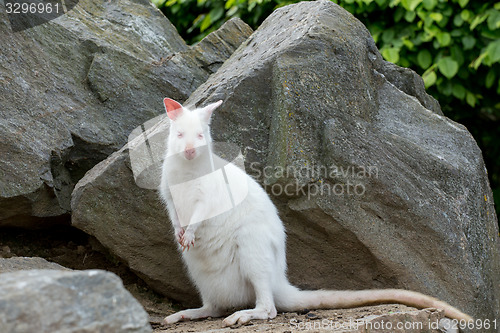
pixel 189 153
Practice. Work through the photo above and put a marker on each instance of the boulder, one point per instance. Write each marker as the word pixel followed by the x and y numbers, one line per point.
pixel 27 263
pixel 376 187
pixel 73 88
pixel 68 301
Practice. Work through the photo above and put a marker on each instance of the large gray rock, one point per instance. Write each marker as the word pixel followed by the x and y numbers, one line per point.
pixel 68 301
pixel 71 90
pixel 376 187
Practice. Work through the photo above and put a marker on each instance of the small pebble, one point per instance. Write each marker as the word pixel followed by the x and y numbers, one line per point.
pixel 312 315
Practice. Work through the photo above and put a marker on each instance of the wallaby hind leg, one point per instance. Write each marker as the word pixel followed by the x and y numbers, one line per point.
pixel 264 307
pixel 190 314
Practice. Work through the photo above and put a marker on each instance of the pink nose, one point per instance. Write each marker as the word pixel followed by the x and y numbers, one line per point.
pixel 189 153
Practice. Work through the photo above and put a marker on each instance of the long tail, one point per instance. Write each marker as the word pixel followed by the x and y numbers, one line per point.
pixel 290 298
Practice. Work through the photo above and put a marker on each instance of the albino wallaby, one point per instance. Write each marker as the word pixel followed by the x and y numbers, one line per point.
pixel 236 258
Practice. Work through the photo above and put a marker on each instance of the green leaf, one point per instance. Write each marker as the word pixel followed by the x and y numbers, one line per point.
pixel 410 4
pixel 388 36
pixel 492 53
pixel 463 3
pixel 445 88
pixel 409 45
pixel 430 4
pixel 436 16
pixel 448 67
pixel 490 79
pixel 457 54
pixel 478 61
pixel 458 20
pixel 216 14
pixel 459 91
pixel 205 24
pixel 456 33
pixel 429 78
pixel 424 58
pixel 471 99
pixel 444 39
pixel 398 15
pixel 494 20
pixel 410 16
pixel 232 11
pixel 465 15
pixel 478 20
pixel 391 54
pixel 468 42
pixel 229 4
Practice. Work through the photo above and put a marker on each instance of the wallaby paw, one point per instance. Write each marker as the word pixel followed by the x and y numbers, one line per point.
pixel 174 318
pixel 187 239
pixel 179 232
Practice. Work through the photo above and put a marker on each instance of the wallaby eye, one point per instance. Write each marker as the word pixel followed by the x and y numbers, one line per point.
pixel 180 135
pixel 200 136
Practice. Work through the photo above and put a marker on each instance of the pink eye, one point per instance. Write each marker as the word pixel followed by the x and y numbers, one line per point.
pixel 180 135
pixel 200 136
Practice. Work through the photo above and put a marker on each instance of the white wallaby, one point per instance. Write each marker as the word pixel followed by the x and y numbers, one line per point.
pixel 236 256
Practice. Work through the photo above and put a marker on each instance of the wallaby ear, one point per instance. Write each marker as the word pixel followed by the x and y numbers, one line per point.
pixel 173 108
pixel 207 111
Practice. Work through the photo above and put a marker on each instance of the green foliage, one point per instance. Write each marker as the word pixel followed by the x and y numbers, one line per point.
pixel 453 44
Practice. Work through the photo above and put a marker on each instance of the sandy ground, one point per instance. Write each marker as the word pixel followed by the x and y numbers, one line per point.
pixel 340 320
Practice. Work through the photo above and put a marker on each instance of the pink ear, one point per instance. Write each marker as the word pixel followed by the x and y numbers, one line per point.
pixel 209 109
pixel 173 108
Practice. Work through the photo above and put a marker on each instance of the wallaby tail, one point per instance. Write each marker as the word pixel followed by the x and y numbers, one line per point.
pixel 290 298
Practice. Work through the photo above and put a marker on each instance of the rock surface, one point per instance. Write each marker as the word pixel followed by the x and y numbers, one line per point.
pixel 71 90
pixel 68 301
pixel 376 187
pixel 27 263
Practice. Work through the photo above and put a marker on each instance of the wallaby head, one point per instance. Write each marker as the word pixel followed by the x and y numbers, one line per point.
pixel 189 130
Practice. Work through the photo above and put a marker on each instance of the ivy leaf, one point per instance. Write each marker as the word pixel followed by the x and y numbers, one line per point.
pixel 443 38
pixel 471 99
pixel 458 20
pixel 429 78
pixel 468 42
pixel 490 79
pixel 205 24
pixel 448 67
pixel 494 20
pixel 216 14
pixel 478 20
pixel 430 4
pixel 391 54
pixel 410 16
pixel 459 91
pixel 410 4
pixel 493 53
pixel 436 16
pixel 424 58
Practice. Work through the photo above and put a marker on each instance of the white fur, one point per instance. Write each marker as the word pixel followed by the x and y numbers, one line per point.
pixel 237 258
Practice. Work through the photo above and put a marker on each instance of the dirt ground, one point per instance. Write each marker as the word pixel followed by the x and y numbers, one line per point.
pixel 74 249
pixel 340 320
